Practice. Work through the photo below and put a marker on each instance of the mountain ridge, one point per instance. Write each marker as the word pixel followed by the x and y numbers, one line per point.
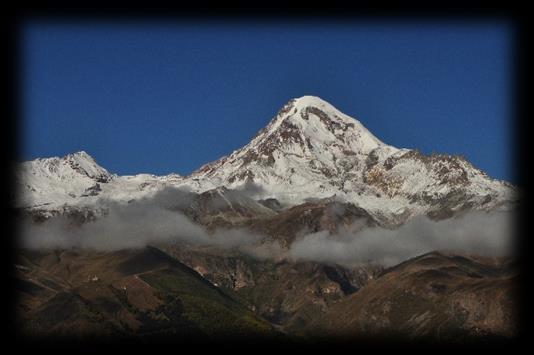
pixel 308 150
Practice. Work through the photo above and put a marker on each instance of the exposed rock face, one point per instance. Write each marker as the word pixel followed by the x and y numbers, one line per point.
pixel 310 217
pixel 221 206
pixel 287 294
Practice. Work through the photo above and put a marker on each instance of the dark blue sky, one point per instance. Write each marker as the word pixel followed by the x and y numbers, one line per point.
pixel 163 98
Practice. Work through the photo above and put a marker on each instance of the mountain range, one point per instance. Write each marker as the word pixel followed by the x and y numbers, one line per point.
pixel 311 170
pixel 309 150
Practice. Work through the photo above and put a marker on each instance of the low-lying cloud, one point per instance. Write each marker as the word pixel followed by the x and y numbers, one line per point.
pixel 160 220
pixel 134 225
pixel 479 233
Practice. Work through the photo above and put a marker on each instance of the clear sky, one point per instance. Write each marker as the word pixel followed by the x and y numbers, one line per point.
pixel 161 97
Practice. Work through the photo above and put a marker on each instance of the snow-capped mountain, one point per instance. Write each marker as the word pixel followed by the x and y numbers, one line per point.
pixel 312 150
pixel 298 154
pixel 309 150
pixel 56 180
pixel 76 180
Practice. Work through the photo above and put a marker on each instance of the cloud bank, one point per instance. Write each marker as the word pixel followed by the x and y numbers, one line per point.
pixel 160 220
pixel 479 233
pixel 148 221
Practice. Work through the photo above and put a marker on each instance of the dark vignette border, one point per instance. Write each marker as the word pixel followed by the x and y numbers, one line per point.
pixel 13 21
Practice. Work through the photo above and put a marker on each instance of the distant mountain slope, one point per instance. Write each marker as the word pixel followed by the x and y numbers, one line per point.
pixel 441 296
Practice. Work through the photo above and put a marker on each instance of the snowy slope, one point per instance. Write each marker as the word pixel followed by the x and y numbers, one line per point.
pixel 309 150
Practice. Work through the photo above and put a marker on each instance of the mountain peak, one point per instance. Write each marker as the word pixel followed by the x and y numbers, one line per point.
pixel 310 118
pixel 80 157
pixel 81 154
pixel 310 100
pixel 304 103
pixel 308 142
pixel 84 164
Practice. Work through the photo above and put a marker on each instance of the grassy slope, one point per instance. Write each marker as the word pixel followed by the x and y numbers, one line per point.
pixel 138 292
